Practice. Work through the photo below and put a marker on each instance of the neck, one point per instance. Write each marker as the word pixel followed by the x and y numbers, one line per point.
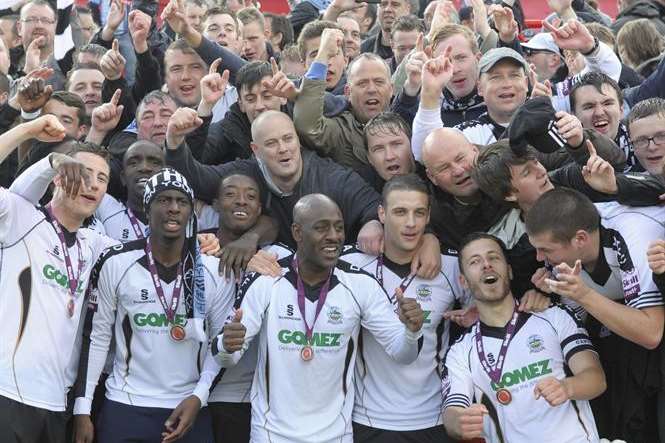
pixel 468 200
pixel 226 236
pixel 398 255
pixel 385 38
pixel 312 274
pixel 501 118
pixel 70 221
pixel 137 209
pixel 496 313
pixel 589 257
pixel 167 251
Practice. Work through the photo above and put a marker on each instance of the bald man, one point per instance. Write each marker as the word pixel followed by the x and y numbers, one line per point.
pixel 284 174
pixel 307 322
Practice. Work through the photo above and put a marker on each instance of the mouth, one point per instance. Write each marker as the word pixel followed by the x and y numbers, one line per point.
pixel 91 102
pixel 654 158
pixel 241 215
pixel 187 89
pixel 331 251
pixel 285 161
pixel 172 225
pixel 409 236
pixel 459 82
pixel 393 169
pixel 89 198
pixel 601 126
pixel 490 279
pixel 464 181
pixel 507 96
pixel 159 134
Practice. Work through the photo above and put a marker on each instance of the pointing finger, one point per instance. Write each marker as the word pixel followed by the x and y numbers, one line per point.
pixel 215 66
pixel 420 43
pixel 115 45
pixel 116 97
pixel 273 64
pixel 592 148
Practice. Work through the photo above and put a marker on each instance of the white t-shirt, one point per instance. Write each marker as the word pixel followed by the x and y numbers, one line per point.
pixel 40 344
pixel 541 347
pixel 405 397
pixel 294 400
pixel 150 369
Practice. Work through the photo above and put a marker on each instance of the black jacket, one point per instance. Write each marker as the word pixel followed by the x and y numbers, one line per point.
pixel 356 199
pixel 649 9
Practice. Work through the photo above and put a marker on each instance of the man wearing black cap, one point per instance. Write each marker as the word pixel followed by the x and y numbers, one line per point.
pixel 154 295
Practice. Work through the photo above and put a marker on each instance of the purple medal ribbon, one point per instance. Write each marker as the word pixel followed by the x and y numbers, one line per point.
pixel 406 281
pixel 175 298
pixel 135 224
pixel 72 280
pixel 309 330
pixel 495 373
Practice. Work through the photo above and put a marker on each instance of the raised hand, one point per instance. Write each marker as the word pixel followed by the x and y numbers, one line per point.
pixel 539 280
pixel 181 419
pixel 213 85
pixel 462 317
pixel 33 93
pixel 139 28
pixel 442 15
pixel 115 17
pixel 436 75
pixel 656 256
pixel 573 35
pixel 46 128
pixel 599 173
pixel 106 117
pixel 174 15
pixel 480 23
pixel 265 263
pixel 569 283
pixel 330 45
pixel 552 390
pixel 570 128
pixel 414 67
pixel 538 89
pixel 505 23
pixel 72 174
pixel 33 54
pixel 113 63
pixel 409 311
pixel 183 122
pixel 560 6
pixel 280 85
pixel 345 5
pixel 234 333
pixel 208 243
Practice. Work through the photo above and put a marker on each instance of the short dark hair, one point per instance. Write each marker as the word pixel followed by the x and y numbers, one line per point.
pixel 647 108
pixel 408 182
pixel 474 236
pixel 492 169
pixel 152 97
pixel 184 47
pixel 91 48
pixel 387 122
pixel 407 23
pixel 79 66
pixel 597 80
pixel 311 31
pixel 216 10
pixel 251 74
pixel 74 101
pixel 562 212
pixel 90 148
pixel 234 174
pixel 280 24
pixel 249 15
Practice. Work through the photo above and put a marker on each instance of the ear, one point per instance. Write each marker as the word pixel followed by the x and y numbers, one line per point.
pixel 581 238
pixel 296 232
pixel 83 130
pixel 511 197
pixel 255 147
pixel 462 281
pixel 481 89
pixel 382 214
pixel 347 89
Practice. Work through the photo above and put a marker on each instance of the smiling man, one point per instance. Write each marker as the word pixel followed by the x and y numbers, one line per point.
pixel 183 70
pixel 646 122
pixel 314 280
pixel 86 80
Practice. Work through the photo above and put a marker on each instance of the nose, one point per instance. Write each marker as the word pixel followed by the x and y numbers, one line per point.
pixel 242 200
pixel 260 104
pixel 410 220
pixel 390 153
pixel 173 207
pixel 457 169
pixel 186 74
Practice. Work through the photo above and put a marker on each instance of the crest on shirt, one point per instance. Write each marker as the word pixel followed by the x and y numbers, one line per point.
pixel 424 292
pixel 334 315
pixel 535 343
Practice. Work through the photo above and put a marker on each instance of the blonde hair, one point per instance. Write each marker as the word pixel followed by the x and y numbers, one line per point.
pixel 450 30
pixel 639 41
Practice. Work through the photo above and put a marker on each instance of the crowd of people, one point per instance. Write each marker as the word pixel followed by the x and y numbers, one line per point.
pixel 376 222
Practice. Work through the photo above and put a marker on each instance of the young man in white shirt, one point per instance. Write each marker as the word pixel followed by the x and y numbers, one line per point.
pixel 506 378
pixel 303 385
pixel 161 300
pixel 47 259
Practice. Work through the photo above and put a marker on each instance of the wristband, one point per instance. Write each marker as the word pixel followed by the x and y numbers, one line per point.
pixel 30 115
pixel 596 43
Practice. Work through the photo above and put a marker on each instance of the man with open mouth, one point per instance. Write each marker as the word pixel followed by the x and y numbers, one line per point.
pixel 531 375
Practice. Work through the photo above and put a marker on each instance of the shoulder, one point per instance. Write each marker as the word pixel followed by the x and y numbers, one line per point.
pixel 559 314
pixel 119 251
pixel 278 248
pixel 354 256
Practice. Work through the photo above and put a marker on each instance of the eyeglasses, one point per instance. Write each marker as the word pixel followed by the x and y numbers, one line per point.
pixel 643 142
pixel 42 20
